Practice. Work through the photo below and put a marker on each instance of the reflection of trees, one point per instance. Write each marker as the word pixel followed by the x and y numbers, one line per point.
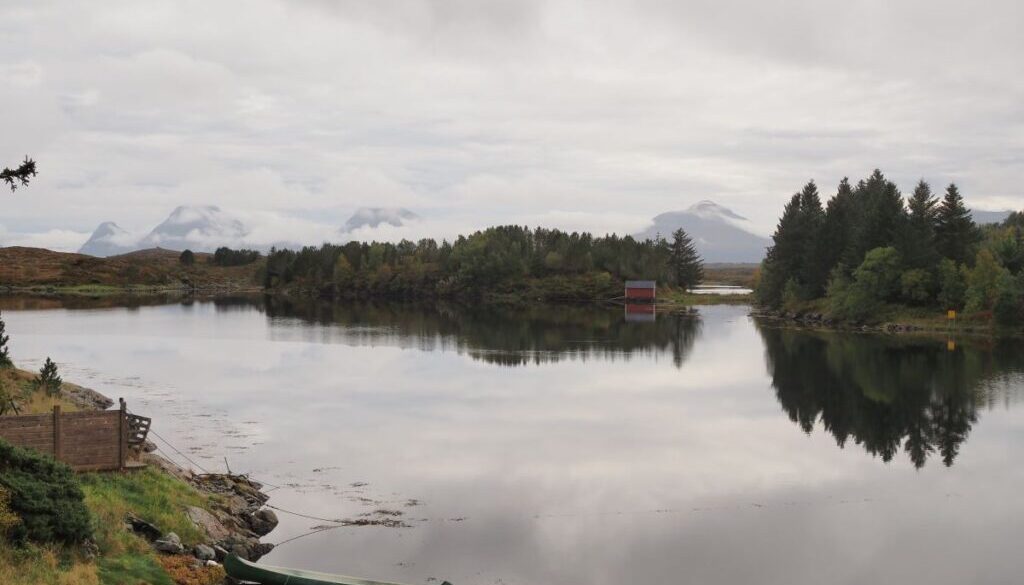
pixel 509 336
pixel 886 392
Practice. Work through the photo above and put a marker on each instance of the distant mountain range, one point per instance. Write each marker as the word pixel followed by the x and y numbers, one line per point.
pixel 206 228
pixel 982 217
pixel 199 228
pixel 720 234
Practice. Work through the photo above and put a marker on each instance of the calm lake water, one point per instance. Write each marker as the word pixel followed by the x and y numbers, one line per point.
pixel 577 445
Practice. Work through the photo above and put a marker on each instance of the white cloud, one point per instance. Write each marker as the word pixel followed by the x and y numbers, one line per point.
pixel 481 113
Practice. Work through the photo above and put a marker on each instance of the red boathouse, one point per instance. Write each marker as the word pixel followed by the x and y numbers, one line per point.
pixel 640 290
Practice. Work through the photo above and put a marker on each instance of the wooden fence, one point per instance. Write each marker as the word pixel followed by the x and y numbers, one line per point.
pixel 87 441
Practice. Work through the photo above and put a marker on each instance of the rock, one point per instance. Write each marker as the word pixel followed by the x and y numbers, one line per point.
pixel 148 446
pixel 220 553
pixel 147 530
pixel 90 550
pixel 85 398
pixel 260 549
pixel 263 521
pixel 204 552
pixel 213 527
pixel 169 544
pixel 241 551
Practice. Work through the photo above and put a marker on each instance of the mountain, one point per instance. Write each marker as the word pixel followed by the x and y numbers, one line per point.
pixel 375 216
pixel 720 234
pixel 982 217
pixel 198 228
pixel 109 239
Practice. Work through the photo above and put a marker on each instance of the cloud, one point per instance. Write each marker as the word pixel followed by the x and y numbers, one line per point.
pixel 477 113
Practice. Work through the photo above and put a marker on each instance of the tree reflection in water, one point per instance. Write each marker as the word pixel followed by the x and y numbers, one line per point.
pixel 888 392
pixel 507 336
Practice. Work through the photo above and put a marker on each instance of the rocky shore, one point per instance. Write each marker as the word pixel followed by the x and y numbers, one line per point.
pixel 233 522
pixel 812 320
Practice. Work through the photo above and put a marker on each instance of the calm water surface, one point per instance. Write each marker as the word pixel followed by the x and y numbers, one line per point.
pixel 578 445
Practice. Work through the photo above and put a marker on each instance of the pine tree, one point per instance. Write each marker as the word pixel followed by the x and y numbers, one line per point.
pixel 48 380
pixel 920 236
pixel 685 264
pixel 5 354
pixel 955 231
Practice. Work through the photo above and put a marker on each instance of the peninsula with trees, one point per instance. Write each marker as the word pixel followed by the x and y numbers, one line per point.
pixel 869 255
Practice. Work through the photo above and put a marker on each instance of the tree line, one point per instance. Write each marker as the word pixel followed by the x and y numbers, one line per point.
pixel 869 247
pixel 570 265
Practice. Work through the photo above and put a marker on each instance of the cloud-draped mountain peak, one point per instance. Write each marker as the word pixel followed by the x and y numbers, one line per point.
pixel 720 234
pixel 375 216
pixel 109 239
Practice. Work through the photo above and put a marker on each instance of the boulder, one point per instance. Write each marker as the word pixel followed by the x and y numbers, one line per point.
pixel 204 552
pixel 143 528
pixel 170 543
pixel 220 553
pixel 213 527
pixel 260 549
pixel 263 521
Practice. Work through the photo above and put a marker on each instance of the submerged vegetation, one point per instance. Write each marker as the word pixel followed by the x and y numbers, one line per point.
pixel 868 250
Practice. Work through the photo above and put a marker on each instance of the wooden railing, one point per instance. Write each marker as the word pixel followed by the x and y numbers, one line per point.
pixel 87 440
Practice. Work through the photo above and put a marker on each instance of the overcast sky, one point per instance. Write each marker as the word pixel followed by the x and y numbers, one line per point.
pixel 584 115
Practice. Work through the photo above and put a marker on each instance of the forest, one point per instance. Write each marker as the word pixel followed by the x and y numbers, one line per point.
pixel 541 263
pixel 870 248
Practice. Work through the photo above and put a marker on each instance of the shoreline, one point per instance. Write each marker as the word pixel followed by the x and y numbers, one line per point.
pixel 226 513
pixel 933 327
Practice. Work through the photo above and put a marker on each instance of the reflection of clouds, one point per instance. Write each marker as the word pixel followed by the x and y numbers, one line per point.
pixel 577 472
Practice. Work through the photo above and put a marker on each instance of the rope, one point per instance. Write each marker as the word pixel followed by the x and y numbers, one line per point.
pixel 186 457
pixel 307 516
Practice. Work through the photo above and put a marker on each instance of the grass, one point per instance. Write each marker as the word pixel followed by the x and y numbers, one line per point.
pixel 125 559
pixel 35 565
pixel 149 494
pixel 133 569
pixel 18 383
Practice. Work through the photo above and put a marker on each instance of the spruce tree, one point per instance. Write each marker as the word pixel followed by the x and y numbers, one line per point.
pixel 686 266
pixel 48 380
pixel 814 261
pixel 839 225
pixel 920 236
pixel 883 218
pixel 5 354
pixel 955 231
pixel 782 260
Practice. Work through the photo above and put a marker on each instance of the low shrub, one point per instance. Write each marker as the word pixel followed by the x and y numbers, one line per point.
pixel 45 495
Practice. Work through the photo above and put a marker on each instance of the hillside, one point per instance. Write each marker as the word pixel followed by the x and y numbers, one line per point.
pixel 154 268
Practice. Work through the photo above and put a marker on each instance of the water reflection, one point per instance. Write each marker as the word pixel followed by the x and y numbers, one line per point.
pixel 888 393
pixel 507 336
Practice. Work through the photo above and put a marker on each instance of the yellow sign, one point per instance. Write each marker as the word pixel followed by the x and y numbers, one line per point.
pixel 950 345
pixel 951 315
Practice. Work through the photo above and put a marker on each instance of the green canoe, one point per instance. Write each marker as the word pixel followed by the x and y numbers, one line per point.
pixel 243 570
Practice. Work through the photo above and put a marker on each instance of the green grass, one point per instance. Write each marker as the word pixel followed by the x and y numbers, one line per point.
pixel 149 494
pixel 131 570
pixel 126 559
pixel 685 298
